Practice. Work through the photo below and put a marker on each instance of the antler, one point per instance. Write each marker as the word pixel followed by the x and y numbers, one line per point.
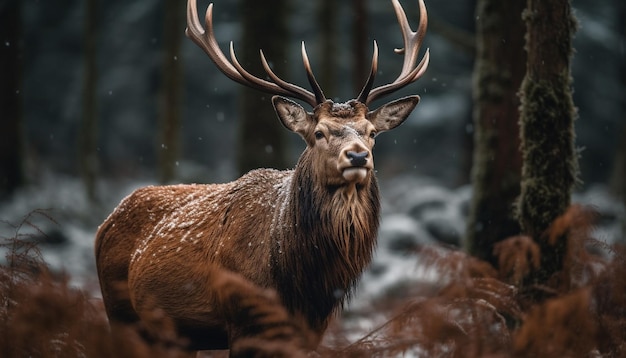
pixel 412 43
pixel 234 70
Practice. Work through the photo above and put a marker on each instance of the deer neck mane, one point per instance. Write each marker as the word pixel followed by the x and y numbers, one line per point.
pixel 329 238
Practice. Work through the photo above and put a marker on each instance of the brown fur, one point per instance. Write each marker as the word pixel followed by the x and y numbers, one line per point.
pixel 307 233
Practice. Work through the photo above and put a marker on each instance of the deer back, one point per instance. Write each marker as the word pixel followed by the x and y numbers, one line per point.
pixel 225 223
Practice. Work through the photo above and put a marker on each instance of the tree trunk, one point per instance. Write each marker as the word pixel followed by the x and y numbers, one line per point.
pixel 327 16
pixel 88 157
pixel 618 177
pixel 360 58
pixel 261 137
pixel 170 122
pixel 550 163
pixel 11 140
pixel 498 73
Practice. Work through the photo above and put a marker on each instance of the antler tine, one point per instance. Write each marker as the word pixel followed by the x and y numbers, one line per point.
pixel 370 79
pixel 319 95
pixel 233 70
pixel 250 79
pixel 412 40
pixel 206 40
pixel 312 100
pixel 401 82
pixel 412 43
pixel 278 87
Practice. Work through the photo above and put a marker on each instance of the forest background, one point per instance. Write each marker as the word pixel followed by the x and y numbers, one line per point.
pixel 100 86
pixel 112 93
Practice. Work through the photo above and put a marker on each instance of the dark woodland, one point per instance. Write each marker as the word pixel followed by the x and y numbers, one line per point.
pixel 521 129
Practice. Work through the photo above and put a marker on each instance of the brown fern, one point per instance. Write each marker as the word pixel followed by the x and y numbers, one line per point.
pixel 586 314
pixel 609 296
pixel 261 326
pixel 517 257
pixel 560 327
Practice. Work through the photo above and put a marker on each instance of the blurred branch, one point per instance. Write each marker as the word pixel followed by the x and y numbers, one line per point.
pixel 459 38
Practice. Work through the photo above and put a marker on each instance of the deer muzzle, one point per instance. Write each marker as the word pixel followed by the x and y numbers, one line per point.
pixel 355 165
pixel 358 159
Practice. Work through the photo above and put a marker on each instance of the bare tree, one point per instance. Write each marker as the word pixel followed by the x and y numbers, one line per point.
pixel 11 161
pixel 618 178
pixel 170 122
pixel 88 157
pixel 261 141
pixel 498 73
pixel 550 162
pixel 360 56
pixel 327 20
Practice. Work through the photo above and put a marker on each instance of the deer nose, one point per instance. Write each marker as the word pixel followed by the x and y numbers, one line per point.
pixel 357 159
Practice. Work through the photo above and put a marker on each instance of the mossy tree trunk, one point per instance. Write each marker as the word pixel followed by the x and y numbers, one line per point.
pixel 498 73
pixel 550 162
pixel 261 141
pixel 88 156
pixel 11 140
pixel 168 146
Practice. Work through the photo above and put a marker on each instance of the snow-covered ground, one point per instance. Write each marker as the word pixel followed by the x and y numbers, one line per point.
pixel 416 211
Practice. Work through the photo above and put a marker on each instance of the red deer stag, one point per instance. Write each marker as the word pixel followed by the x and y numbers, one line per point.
pixel 307 233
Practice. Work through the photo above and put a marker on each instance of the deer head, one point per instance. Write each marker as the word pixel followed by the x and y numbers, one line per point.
pixel 341 135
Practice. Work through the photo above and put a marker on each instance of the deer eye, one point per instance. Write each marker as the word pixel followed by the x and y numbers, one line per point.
pixel 319 135
pixel 372 134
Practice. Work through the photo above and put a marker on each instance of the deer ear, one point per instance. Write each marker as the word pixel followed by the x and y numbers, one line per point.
pixel 392 114
pixel 291 114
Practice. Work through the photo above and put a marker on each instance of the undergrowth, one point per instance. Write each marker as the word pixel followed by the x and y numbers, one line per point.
pixel 40 314
pixel 480 311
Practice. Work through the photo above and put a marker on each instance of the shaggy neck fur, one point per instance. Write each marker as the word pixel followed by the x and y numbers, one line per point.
pixel 328 244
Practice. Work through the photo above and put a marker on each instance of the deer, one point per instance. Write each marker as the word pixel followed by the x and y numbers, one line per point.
pixel 300 238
